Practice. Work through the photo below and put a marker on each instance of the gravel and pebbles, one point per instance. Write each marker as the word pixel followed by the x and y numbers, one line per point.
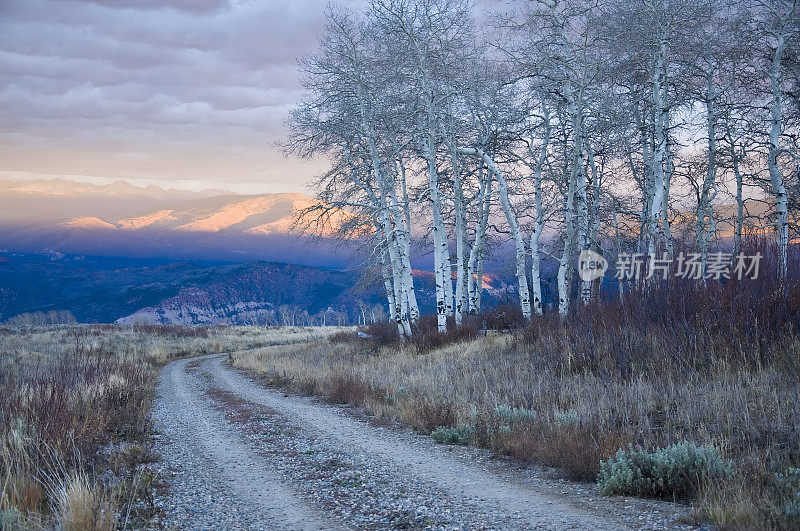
pixel 236 455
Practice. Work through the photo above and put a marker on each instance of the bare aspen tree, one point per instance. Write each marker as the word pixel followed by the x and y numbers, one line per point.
pixel 430 39
pixel 462 257
pixel 649 36
pixel 538 205
pixel 494 126
pixel 346 116
pixel 554 45
pixel 779 24
pixel 710 73
pixel 511 219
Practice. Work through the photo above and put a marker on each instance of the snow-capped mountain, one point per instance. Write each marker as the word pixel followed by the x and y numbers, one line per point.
pixel 125 220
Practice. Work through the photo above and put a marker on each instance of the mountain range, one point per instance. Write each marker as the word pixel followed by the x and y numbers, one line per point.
pixel 127 254
pixel 120 219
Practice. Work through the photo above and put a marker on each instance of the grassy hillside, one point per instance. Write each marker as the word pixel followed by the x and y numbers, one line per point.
pixel 680 394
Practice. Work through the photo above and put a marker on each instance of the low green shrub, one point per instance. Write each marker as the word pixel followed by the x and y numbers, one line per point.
pixel 676 471
pixel 787 492
pixel 566 418
pixel 514 414
pixel 460 435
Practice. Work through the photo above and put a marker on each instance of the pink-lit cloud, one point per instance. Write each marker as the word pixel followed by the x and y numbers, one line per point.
pixel 184 92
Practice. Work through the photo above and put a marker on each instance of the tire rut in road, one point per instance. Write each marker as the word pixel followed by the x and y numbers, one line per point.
pixel 217 480
pixel 461 483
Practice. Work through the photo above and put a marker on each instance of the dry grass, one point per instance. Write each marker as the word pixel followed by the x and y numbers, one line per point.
pixel 82 505
pixel 656 372
pixel 74 416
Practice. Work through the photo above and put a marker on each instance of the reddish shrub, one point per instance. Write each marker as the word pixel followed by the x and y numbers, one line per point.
pixel 574 449
pixel 343 337
pixel 346 390
pixel 427 416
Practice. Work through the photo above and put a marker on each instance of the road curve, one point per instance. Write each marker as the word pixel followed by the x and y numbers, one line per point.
pixel 225 473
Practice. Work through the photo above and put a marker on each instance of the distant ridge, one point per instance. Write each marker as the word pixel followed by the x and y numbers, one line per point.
pixel 89 222
pixel 251 214
pixel 129 291
pixel 121 219
pixel 68 188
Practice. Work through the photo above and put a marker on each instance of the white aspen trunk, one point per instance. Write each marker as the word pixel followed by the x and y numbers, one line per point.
pixel 592 226
pixel 404 240
pixel 401 312
pixel 737 174
pixel 387 282
pixel 647 193
pixel 475 266
pixel 407 281
pixel 669 243
pixel 440 248
pixel 408 300
pixel 660 110
pixel 568 253
pixel 391 263
pixel 461 241
pixel 479 281
pixel 566 263
pixel 462 288
pixel 536 275
pixel 538 225
pixel 410 312
pixel 583 226
pixel 519 244
pixel 473 252
pixel 511 218
pixel 778 186
pixel 400 290
pixel 704 209
pixel 400 287
pixel 566 260
pixel 447 271
pixel 402 237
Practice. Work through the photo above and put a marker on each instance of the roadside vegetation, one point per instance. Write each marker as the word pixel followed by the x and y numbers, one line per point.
pixel 680 393
pixel 74 417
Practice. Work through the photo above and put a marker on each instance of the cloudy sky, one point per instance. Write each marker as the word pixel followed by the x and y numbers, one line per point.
pixel 181 93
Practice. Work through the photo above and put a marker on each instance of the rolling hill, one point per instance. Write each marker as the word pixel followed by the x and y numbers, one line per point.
pixel 131 291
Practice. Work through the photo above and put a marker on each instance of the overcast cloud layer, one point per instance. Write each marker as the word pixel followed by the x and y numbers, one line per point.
pixel 183 93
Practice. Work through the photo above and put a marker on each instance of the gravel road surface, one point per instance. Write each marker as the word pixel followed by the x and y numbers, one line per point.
pixel 238 455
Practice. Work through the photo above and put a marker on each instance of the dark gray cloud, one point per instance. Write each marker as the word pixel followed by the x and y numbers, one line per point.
pixel 170 90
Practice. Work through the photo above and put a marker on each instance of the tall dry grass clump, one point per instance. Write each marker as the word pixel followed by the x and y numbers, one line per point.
pixel 82 504
pixel 679 374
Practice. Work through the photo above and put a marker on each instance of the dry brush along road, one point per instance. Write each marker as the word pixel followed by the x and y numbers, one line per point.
pixel 238 455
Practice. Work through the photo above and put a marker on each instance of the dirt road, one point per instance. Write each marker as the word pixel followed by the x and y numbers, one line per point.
pixel 240 455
